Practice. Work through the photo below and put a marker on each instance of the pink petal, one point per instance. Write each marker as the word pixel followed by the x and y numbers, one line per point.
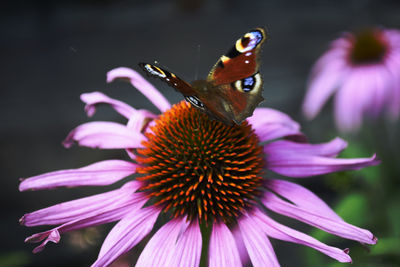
pixel 258 246
pixel 316 218
pixel 79 208
pixel 279 231
pixel 393 65
pixel 338 49
pixel 126 234
pixel 271 124
pixel 161 247
pixel 381 91
pixel 96 98
pixel 326 76
pixel 301 197
pixel 100 173
pixel 51 236
pixel 102 215
pixel 137 118
pixel 291 162
pixel 223 251
pixel 188 248
pixel 244 255
pixel 350 101
pixel 328 149
pixel 372 88
pixel 142 85
pixel 105 135
pixel 140 120
pixel 393 36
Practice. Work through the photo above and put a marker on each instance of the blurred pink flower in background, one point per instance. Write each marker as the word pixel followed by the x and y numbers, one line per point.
pixel 202 174
pixel 364 70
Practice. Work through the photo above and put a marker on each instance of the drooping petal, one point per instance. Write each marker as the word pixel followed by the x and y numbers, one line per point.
pixel 161 247
pixel 49 236
pixel 102 215
pixel 338 49
pixel 105 135
pixel 136 118
pixel 222 250
pixel 327 75
pixel 94 99
pixel 126 234
pixel 142 85
pixel 258 246
pixel 79 208
pixel 100 173
pixel 349 102
pixel 244 255
pixel 370 87
pixel 279 231
pixel 393 65
pixel 271 124
pixel 316 218
pixel 290 161
pixel 379 89
pixel 393 37
pixel 139 120
pixel 188 248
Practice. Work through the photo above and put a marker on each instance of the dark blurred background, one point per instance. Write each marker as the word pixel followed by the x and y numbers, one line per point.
pixel 52 51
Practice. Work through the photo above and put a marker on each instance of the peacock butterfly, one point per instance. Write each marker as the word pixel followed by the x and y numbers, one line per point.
pixel 233 88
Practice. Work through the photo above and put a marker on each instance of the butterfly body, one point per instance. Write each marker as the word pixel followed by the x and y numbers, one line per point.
pixel 233 88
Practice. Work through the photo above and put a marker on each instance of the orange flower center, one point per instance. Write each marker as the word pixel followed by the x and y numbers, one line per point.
pixel 200 168
pixel 369 46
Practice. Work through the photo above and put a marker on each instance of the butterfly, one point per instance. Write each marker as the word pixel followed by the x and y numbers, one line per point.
pixel 233 87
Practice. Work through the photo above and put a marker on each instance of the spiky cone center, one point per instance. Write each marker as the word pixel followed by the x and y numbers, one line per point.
pixel 200 168
pixel 368 46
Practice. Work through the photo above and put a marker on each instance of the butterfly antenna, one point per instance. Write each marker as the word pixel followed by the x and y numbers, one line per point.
pixel 196 71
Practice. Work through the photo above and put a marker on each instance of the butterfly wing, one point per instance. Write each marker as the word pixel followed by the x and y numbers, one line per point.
pixel 190 93
pixel 241 61
pixel 168 77
pixel 242 96
pixel 236 79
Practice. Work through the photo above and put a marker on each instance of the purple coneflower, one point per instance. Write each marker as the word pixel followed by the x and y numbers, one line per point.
pixel 205 175
pixel 364 69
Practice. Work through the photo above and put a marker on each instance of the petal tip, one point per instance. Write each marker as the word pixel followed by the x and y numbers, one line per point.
pixel 308 113
pixel 67 143
pixel 48 236
pixel 375 160
pixel 83 97
pixel 69 140
pixel 121 72
pixel 90 110
pixel 38 249
pixel 21 186
pixel 347 258
pixel 22 221
pixel 343 143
